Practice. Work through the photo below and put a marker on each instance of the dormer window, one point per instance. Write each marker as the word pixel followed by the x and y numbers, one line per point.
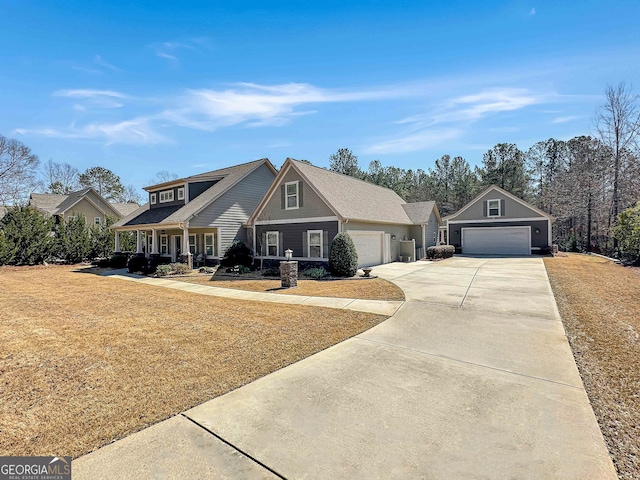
pixel 181 193
pixel 152 198
pixel 166 196
pixel 292 198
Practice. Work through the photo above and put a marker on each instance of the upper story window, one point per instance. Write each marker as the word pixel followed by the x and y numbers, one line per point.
pixel 181 193
pixel 96 220
pixel 292 195
pixel 166 196
pixel 493 208
pixel 152 198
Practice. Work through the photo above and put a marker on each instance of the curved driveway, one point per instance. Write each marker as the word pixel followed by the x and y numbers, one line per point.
pixel 472 378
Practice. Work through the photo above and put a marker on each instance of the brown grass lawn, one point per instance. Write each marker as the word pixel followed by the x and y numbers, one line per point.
pixel 369 289
pixel 600 306
pixel 85 360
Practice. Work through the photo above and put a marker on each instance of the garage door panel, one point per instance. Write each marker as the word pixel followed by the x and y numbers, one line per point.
pixel 369 246
pixel 496 241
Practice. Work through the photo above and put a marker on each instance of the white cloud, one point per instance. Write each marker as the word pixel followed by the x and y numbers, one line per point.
pixel 415 141
pixel 88 93
pixel 566 119
pixel 98 60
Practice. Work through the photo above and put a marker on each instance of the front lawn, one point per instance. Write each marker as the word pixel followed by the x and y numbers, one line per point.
pixel 85 360
pixel 600 306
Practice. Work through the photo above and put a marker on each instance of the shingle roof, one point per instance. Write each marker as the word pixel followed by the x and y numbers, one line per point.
pixel 125 208
pixel 419 212
pixel 230 176
pixel 71 200
pixel 47 202
pixel 3 211
pixel 356 199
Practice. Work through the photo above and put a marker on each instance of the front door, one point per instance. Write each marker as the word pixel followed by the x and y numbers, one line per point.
pixel 177 248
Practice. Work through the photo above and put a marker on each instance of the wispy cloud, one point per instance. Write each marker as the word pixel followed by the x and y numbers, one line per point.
pixel 88 93
pixel 93 99
pixel 101 62
pixel 414 141
pixel 169 50
pixel 566 119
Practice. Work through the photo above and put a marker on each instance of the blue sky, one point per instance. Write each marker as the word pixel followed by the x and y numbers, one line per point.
pixel 193 86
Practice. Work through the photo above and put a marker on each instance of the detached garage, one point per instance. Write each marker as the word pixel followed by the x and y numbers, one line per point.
pixel 498 223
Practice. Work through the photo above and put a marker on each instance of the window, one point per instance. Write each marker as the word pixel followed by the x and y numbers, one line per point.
pixel 314 243
pixel 181 193
pixel 152 198
pixel 96 220
pixel 273 244
pixel 164 245
pixel 166 196
pixel 192 244
pixel 210 244
pixel 493 208
pixel 149 243
pixel 291 193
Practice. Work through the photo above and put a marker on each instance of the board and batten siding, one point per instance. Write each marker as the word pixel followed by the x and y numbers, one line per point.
pixel 231 210
pixel 512 209
pixel 293 236
pixel 312 204
pixel 402 232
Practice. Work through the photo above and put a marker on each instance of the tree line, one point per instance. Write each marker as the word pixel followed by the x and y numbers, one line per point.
pixel 587 183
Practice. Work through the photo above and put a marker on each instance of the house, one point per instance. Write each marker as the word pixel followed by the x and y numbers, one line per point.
pixel 87 203
pixel 497 222
pixel 201 214
pixel 3 211
pixel 307 206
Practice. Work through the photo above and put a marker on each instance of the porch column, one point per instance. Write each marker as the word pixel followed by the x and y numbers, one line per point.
pixel 117 245
pixel 138 241
pixel 185 241
pixel 154 240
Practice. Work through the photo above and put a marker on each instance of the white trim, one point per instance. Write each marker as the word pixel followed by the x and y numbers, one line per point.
pixel 153 198
pixel 287 195
pixel 297 220
pixel 181 190
pixel 499 200
pixel 88 199
pixel 168 252
pixel 277 244
pixel 166 196
pixel 528 227
pixel 195 243
pixel 309 232
pixel 500 220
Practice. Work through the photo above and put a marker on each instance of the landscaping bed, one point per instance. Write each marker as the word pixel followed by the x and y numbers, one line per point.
pixel 599 302
pixel 86 360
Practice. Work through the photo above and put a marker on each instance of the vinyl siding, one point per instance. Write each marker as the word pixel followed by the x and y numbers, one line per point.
pixel 86 209
pixel 513 209
pixel 292 236
pixel 540 240
pixel 233 208
pixel 402 232
pixel 312 204
pixel 432 229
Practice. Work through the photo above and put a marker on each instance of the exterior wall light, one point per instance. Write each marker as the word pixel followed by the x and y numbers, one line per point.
pixel 288 254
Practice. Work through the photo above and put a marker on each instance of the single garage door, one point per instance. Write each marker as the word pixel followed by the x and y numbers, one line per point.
pixel 369 246
pixel 496 241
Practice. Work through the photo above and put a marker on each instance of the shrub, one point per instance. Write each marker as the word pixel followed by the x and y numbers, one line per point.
pixel 237 254
pixel 440 251
pixel 163 270
pixel 119 260
pixel 271 272
pixel 180 268
pixel 343 258
pixel 72 239
pixel 26 237
pixel 101 263
pixel 315 272
pixel 137 264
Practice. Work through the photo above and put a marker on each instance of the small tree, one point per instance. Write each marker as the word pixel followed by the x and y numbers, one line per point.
pixel 72 240
pixel 627 232
pixel 237 254
pixel 343 258
pixel 103 181
pixel 102 239
pixel 26 237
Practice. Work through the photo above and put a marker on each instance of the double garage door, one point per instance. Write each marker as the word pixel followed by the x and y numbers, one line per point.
pixel 374 248
pixel 496 241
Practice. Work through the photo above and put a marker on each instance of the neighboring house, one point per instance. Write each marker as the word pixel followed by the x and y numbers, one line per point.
pixel 202 214
pixel 498 222
pixel 87 203
pixel 307 206
pixel 3 211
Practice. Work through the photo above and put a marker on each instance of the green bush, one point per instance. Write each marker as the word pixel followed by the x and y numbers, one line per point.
pixel 237 254
pixel 27 237
pixel 440 251
pixel 163 270
pixel 627 232
pixel 271 272
pixel 73 240
pixel 315 272
pixel 119 260
pixel 343 258
pixel 137 264
pixel 180 268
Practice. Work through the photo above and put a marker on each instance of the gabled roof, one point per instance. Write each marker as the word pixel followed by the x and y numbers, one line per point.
pixel 230 176
pixel 125 208
pixel 504 192
pixel 54 204
pixel 350 198
pixel 419 212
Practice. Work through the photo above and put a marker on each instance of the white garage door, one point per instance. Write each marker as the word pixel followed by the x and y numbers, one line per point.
pixel 496 241
pixel 369 246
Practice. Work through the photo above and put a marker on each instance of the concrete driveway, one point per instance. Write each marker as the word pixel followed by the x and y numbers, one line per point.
pixel 472 378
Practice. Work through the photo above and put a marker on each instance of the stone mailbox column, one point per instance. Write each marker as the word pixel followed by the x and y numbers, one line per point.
pixel 289 274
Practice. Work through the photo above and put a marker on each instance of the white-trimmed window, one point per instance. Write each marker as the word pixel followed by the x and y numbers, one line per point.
pixel 210 245
pixel 192 244
pixel 314 243
pixel 164 245
pixel 166 196
pixel 493 208
pixel 181 193
pixel 291 195
pixel 96 220
pixel 152 198
pixel 273 244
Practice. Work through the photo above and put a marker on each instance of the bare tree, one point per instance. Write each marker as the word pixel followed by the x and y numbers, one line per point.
pixel 18 171
pixel 163 177
pixel 132 195
pixel 60 178
pixel 618 126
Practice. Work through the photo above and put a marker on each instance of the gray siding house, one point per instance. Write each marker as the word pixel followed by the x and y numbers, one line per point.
pixel 307 206
pixel 497 222
pixel 202 214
